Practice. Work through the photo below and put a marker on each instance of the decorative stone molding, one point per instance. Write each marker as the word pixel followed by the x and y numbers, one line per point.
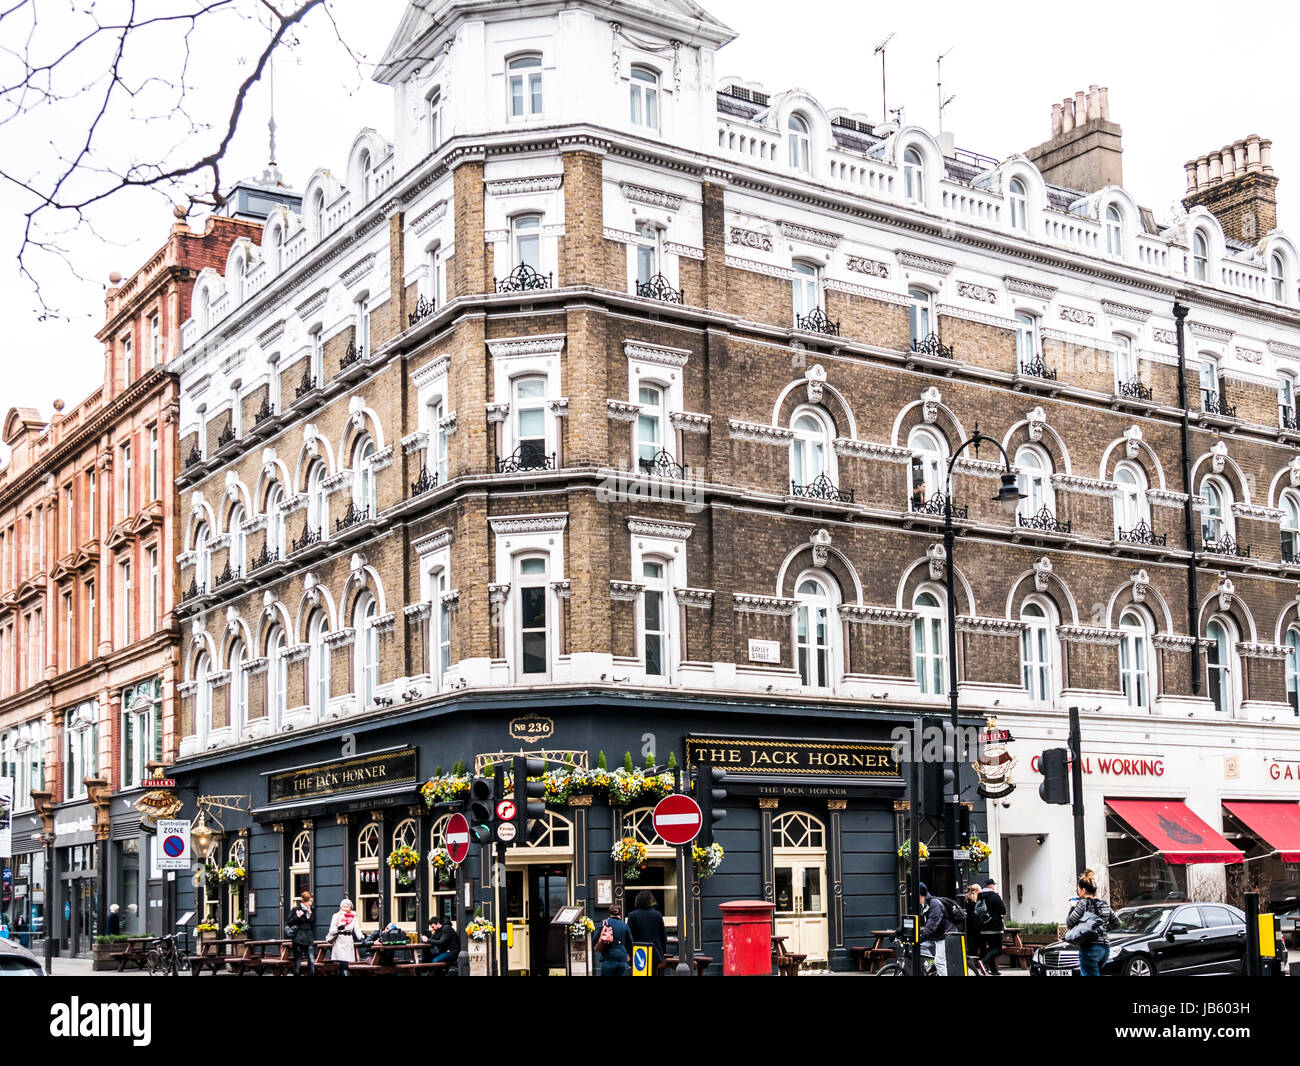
pixel 559 407
pixel 185 689
pixel 760 432
pixel 516 347
pixel 448 424
pixel 1132 441
pixel 1210 333
pixel 815 376
pixel 792 231
pixel 432 371
pixel 1088 635
pixel 255 667
pixel 1037 419
pixel 1118 310
pixel 1173 642
pixel 218 678
pixel 341 638
pixel 970 290
pixel 498 592
pixel 1078 316
pixel 784 273
pixel 625 591
pixel 622 236
pixel 295 653
pixel 821 546
pixel 1066 337
pixel 425 221
pixel 451 600
pixel 931 398
pixel 656 353
pixel 187 558
pixel 873 268
pixel 697 598
pixel 1163 336
pixel 689 421
pixel 533 523
pixel 384 623
pixel 1288 351
pixel 877 616
pixel 497 412
pixel 417 612
pixel 562 588
pixel 998 627
pixel 1249 355
pixel 340 479
pixel 414 442
pixel 1141 583
pixel 1042 573
pixel 868 449
pixel 1250 379
pixel 621 410
pixel 866 292
pixel 1086 486
pixel 686 251
pixel 1218 456
pixel 749 238
pixel 914 261
pixel 1277 652
pixel 1225 590
pixel 1252 510
pixel 1293 472
pixel 1165 498
pixel 1022 287
pixel 978 467
pixel 313 303
pixel 659 527
pixel 518 186
pixel 937 557
pixel 640 194
pixel 748 604
pixel 270 335
pixel 254 524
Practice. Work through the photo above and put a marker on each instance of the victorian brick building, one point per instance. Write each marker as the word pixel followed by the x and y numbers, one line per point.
pixel 609 407
pixel 88 641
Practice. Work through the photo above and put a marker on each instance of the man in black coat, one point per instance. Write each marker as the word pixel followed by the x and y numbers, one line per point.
pixel 991 930
pixel 647 927
pixel 443 940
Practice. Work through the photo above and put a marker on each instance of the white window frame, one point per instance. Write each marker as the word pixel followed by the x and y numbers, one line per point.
pixel 275 518
pixel 1113 221
pixel 318 498
pixel 525 233
pixel 124 580
pixel 238 686
pixel 1277 277
pixel 667 547
pixel 799 142
pixel 930 641
pixel 1125 364
pixel 914 175
pixel 808 649
pixel 364 489
pixel 155 339
pixel 1212 487
pixel 81 757
pixel 531 86
pixel 236 557
pixel 153 463
pixel 155 587
pixel 366 649
pixel 933 464
pixel 1224 674
pixel 1038 650
pixel 1026 337
pixel 806 288
pixel 1292 641
pixel 1135 658
pixel 1034 477
pixel 921 320
pixel 656 587
pixel 1018 204
pixel 433 117
pixel 522 562
pixel 277 676
pixel 805 464
pixel 644 95
pixel 1290 525
pixel 651 422
pixel 648 251
pixel 1286 406
pixel 1200 255
pixel 318 664
pixel 1131 505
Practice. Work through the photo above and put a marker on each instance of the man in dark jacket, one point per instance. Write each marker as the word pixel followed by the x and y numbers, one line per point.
pixel 990 931
pixel 303 924
pixel 647 927
pixel 614 955
pixel 444 941
pixel 937 926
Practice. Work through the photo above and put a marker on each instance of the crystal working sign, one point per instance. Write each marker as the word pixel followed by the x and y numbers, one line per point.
pixel 384 769
pixel 780 767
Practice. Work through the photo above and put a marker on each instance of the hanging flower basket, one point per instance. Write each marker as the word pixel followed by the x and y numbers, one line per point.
pixel 631 853
pixel 582 928
pixel 979 851
pixel 405 861
pixel 211 876
pixel 445 789
pixel 232 873
pixel 905 852
pixel 444 870
pixel 706 860
pixel 479 929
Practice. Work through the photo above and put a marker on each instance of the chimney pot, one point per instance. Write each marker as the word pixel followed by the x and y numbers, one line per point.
pixel 1239 156
pixel 1094 103
pixel 1216 169
pixel 1080 108
pixel 1190 167
pixel 1056 120
pixel 1202 172
pixel 1266 156
pixel 1253 163
pixel 1103 97
pixel 1226 155
pixel 1067 115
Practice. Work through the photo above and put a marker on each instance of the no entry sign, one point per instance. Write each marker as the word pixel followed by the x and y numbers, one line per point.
pixel 456 837
pixel 677 819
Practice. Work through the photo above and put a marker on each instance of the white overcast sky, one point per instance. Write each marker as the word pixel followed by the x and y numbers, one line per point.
pixel 1181 82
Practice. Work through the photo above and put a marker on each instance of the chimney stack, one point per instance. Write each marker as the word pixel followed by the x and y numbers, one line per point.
pixel 1084 151
pixel 1237 185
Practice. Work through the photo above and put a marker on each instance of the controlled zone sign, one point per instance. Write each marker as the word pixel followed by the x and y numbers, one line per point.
pixel 174 844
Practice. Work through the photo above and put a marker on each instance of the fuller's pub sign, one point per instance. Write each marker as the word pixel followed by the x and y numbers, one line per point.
pixel 782 767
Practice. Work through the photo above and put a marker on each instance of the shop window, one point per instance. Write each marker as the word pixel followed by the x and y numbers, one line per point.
pixel 929 644
pixel 797 830
pixel 238 854
pixel 814 631
pixel 368 893
pixel 1134 658
pixel 405 897
pixel 300 852
pixel 659 872
pixel 442 893
pixel 557 832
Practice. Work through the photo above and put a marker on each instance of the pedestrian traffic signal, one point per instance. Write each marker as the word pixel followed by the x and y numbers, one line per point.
pixel 710 792
pixel 1055 765
pixel 530 807
pixel 482 809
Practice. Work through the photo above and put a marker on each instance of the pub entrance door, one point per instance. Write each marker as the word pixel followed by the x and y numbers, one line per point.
pixel 799 865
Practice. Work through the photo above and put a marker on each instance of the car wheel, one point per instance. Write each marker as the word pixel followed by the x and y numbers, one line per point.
pixel 1138 966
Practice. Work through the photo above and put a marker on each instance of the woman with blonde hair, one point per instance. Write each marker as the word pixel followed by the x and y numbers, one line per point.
pixel 343 936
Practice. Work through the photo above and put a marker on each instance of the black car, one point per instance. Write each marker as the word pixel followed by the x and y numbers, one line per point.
pixel 1184 939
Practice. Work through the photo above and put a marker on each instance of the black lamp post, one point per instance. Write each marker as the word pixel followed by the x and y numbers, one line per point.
pixel 1009 495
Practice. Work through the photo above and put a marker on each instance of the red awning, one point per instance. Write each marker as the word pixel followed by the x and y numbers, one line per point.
pixel 1172 829
pixel 1277 824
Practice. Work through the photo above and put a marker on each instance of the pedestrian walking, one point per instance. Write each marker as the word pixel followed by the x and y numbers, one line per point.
pixel 992 925
pixel 614 942
pixel 343 936
pixel 301 928
pixel 647 927
pixel 114 924
pixel 940 916
pixel 1086 927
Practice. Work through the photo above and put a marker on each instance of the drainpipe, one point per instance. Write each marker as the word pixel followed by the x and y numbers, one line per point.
pixel 1180 318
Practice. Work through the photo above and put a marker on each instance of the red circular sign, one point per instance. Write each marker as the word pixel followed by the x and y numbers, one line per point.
pixel 506 810
pixel 677 819
pixel 456 837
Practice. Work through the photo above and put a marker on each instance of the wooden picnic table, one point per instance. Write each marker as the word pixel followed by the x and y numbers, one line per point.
pixel 1013 948
pixel 263 956
pixel 386 961
pixel 872 958
pixel 136 951
pixel 213 955
pixel 787 964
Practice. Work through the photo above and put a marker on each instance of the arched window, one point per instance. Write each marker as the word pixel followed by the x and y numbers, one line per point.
pixel 532 586
pixel 1290 528
pixel 797 137
pixel 920 314
pixel 275 521
pixel 318 664
pixel 1114 231
pixel 1131 503
pixel 1293 669
pixel 1018 200
pixel 1200 256
pixel 368 894
pixel 367 649
pixel 363 477
pixel 277 677
pixel 238 539
pixel 524 81
pixel 300 864
pixel 655 616
pixel 1221 664
pixel 275 248
pixel 1125 368
pixel 1277 276
pixel 433 108
pixel 235 283
pixel 810 450
pixel 317 215
pixel 317 499
pixel 1034 470
pixel 1286 413
pixel 530 421
pixel 649 425
pixel 645 98
pixel 914 176
pixel 202 697
pixel 1216 519
pixel 1026 337
pixel 807 291
pixel 203 556
pixel 363 172
pixel 238 688
pixel 528 240
pixel 929 643
pixel 814 628
pixel 1134 658
pixel 1036 650
pixel 929 465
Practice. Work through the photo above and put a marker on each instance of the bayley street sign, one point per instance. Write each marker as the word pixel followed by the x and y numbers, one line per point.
pixel 677 819
pixel 456 837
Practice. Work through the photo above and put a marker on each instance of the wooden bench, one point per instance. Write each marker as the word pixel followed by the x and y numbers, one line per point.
pixel 1014 950
pixel 326 964
pixel 136 952
pixel 414 969
pixel 261 957
pixel 787 963
pixel 213 955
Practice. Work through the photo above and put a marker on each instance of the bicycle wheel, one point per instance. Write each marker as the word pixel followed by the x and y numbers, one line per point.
pixel 892 969
pixel 156 964
pixel 173 964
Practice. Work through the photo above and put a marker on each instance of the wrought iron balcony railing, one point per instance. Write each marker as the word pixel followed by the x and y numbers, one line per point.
pixel 195 590
pixel 426 481
pixel 194 458
pixel 1226 545
pixel 1043 519
pixel 354 515
pixel 1133 390
pixel 661 465
pixel 822 488
pixel 523 277
pixel 227 575
pixel 526 457
pixel 263 413
pixel 423 309
pixel 351 356
pixel 931 345
pixel 938 504
pixel 264 558
pixel 815 321
pixel 226 436
pixel 658 288
pixel 1036 368
pixel 1142 534
pixel 1213 403
pixel 305 385
pixel 1286 418
pixel 309 536
pixel 1290 557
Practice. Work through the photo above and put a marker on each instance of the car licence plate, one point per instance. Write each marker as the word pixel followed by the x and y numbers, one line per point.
pixel 1060 973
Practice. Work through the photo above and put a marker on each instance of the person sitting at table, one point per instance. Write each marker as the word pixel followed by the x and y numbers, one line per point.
pixel 343 936
pixel 444 941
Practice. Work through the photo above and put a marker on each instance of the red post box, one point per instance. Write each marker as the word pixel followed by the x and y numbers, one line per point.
pixel 746 938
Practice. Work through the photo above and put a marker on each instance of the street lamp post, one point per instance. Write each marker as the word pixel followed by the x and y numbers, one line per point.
pixel 1009 495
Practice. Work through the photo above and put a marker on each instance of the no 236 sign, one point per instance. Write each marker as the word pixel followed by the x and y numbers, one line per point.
pixel 531 728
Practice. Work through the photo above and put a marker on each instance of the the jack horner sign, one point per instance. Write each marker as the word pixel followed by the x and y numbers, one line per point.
pixel 764 758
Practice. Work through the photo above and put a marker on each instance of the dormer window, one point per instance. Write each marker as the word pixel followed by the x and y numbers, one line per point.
pixel 363 166
pixel 525 86
pixel 433 106
pixel 317 215
pixel 1018 200
pixel 797 136
pixel 914 176
pixel 1114 231
pixel 645 98
pixel 1200 257
pixel 1277 276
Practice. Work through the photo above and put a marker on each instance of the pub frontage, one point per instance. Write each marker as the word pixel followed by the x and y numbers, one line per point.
pixel 816 814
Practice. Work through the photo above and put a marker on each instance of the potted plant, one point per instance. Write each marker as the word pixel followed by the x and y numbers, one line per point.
pixel 104 948
pixel 237 929
pixel 206 930
pixel 232 873
pixel 405 860
pixel 479 931
pixel 706 860
pixel 631 853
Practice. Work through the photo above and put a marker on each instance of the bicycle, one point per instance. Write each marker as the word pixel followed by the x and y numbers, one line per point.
pixel 901 966
pixel 165 958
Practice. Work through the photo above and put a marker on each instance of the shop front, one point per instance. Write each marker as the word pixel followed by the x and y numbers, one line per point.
pixel 812 821
pixel 76 880
pixel 24 912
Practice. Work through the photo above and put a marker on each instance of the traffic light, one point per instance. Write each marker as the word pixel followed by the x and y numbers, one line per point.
pixel 530 807
pixel 963 825
pixel 482 809
pixel 938 777
pixel 1055 765
pixel 709 793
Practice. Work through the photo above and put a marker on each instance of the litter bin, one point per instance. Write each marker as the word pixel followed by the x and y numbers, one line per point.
pixel 746 938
